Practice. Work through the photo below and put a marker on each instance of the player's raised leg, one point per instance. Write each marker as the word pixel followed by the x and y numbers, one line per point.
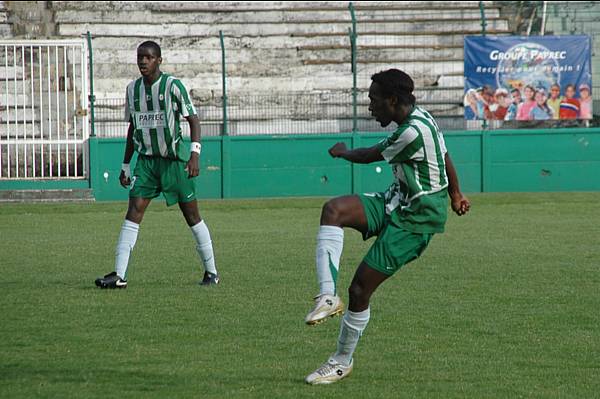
pixel 340 364
pixel 340 212
pixel 125 244
pixel 203 241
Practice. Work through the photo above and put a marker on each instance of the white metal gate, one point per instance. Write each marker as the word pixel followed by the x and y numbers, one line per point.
pixel 43 109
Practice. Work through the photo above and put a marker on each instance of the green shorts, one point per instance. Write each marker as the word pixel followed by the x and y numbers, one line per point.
pixel 155 175
pixel 394 246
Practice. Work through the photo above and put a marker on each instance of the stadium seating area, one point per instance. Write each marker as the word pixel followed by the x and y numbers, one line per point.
pixel 285 60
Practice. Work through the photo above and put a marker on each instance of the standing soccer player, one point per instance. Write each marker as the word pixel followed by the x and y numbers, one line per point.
pixel 154 104
pixel 404 218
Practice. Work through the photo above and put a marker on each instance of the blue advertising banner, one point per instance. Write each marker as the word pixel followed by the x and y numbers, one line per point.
pixel 528 77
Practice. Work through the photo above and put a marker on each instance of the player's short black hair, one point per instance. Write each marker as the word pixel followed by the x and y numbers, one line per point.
pixel 395 82
pixel 152 45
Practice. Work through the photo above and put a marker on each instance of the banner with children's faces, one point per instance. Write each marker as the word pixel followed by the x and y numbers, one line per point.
pixel 528 77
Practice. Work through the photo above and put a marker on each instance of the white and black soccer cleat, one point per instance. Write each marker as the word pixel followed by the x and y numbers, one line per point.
pixel 329 372
pixel 210 279
pixel 111 280
pixel 325 306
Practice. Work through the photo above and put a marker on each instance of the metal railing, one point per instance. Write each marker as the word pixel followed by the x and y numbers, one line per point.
pixel 43 109
pixel 288 113
pixel 377 39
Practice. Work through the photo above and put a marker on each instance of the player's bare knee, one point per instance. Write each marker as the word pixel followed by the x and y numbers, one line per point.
pixel 331 213
pixel 192 219
pixel 357 293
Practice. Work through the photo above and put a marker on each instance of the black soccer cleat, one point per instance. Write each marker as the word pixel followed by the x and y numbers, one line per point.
pixel 111 280
pixel 210 279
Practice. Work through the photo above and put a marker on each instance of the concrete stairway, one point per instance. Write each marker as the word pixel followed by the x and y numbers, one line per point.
pixel 278 48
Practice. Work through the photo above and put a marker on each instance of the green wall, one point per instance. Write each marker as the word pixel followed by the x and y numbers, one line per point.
pixel 299 165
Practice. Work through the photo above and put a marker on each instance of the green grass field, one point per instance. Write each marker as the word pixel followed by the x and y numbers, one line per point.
pixel 504 304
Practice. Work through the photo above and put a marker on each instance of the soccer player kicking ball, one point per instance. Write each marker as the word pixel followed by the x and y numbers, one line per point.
pixel 154 104
pixel 404 218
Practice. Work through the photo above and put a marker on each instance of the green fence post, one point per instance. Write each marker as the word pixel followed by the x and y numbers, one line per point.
pixel 483 26
pixel 225 130
pixel 486 161
pixel 352 33
pixel 356 139
pixel 225 139
pixel 93 176
pixel 91 97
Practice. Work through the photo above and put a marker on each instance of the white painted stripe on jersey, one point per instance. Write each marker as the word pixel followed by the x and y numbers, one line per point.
pixel 185 111
pixel 179 97
pixel 441 142
pixel 436 174
pixel 415 168
pixel 169 105
pixel 129 109
pixel 440 135
pixel 160 131
pixel 406 137
pixel 129 100
pixel 170 114
pixel 430 151
pixel 145 132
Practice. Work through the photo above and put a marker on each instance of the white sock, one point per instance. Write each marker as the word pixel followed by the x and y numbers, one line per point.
pixel 204 246
pixel 330 242
pixel 127 239
pixel 353 325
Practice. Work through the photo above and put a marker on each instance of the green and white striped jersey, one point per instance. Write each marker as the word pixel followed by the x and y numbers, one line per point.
pixel 155 112
pixel 417 200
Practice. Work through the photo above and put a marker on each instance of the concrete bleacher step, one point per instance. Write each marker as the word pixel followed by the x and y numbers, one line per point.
pixel 176 56
pixel 438 12
pixel 259 6
pixel 209 85
pixel 194 44
pixel 22 114
pixel 9 99
pixel 266 16
pixel 378 54
pixel 264 30
pixel 65 195
pixel 20 130
pixel 282 47
pixel 142 17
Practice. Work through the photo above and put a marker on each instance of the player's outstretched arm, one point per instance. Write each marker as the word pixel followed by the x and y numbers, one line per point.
pixel 193 165
pixel 358 155
pixel 125 176
pixel 460 203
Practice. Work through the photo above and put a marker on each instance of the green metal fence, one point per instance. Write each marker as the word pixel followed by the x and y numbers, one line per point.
pixel 299 165
pixel 427 43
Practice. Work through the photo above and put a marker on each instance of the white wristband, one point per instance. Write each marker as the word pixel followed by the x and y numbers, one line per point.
pixel 125 168
pixel 196 147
